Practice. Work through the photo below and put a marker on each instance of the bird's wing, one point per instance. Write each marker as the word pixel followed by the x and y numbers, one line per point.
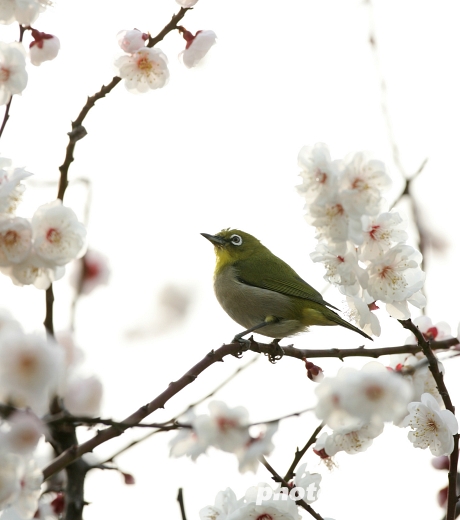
pixel 279 277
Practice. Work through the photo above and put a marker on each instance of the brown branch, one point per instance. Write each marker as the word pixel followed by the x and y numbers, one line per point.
pixel 76 451
pixel 180 499
pixel 281 480
pixel 439 378
pixel 300 453
pixel 302 354
pixel 78 131
pixel 48 322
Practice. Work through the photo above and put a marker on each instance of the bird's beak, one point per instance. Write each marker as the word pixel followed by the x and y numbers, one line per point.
pixel 217 241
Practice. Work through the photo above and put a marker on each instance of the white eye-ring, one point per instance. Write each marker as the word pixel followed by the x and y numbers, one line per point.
pixel 236 240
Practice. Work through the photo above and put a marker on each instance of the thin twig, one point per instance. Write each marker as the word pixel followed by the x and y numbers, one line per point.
pixel 439 378
pixel 281 480
pixel 180 499
pixel 48 322
pixel 300 453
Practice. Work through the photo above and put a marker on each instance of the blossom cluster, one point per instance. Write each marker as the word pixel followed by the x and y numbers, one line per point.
pixel 262 501
pixel 356 403
pixel 146 68
pixel 33 371
pixel 362 247
pixel 43 46
pixel 35 251
pixel 226 429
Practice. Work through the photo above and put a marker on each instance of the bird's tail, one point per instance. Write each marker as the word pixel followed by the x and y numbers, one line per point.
pixel 331 315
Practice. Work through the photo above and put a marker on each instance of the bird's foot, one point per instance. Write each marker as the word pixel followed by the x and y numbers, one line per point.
pixel 244 343
pixel 277 351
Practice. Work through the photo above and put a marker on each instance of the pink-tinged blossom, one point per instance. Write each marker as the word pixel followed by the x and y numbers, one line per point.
pixel 25 430
pixel 380 234
pixel 396 278
pixel 361 184
pixel 58 235
pixel 356 396
pixel 44 47
pixel 144 70
pixel 224 428
pixel 11 187
pixel 15 240
pixel 26 504
pixel 351 439
pixel 30 369
pixel 361 313
pixel 186 442
pixel 319 174
pixel 197 46
pixel 13 74
pixel 90 272
pixel 83 396
pixel 24 12
pixel 432 427
pixel 430 331
pixel 261 444
pixel 132 40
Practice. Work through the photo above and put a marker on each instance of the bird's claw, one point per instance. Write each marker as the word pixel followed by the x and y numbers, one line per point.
pixel 244 343
pixel 277 351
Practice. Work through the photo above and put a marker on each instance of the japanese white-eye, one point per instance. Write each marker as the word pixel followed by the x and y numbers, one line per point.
pixel 264 294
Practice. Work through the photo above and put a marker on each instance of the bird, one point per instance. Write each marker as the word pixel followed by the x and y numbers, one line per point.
pixel 263 293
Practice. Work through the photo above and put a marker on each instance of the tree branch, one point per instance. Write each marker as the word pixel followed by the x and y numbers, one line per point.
pixel 300 453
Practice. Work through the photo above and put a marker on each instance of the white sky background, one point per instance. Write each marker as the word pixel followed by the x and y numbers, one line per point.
pixel 217 147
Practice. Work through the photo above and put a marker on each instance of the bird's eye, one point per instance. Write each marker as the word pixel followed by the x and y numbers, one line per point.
pixel 236 240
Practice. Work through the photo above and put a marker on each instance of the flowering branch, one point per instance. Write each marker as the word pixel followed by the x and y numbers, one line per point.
pixel 439 378
pixel 76 451
pixel 281 480
pixel 300 453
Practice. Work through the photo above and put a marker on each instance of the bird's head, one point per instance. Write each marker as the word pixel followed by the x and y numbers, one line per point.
pixel 233 245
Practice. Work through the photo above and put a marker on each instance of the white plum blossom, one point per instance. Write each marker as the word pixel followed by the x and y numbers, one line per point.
pixel 319 174
pixel 83 396
pixel 432 427
pixel 34 270
pixel 11 188
pixel 350 439
pixel 224 504
pixel 197 46
pixel 186 442
pixel 58 235
pixel 224 428
pixel 249 455
pixel 308 481
pixel 395 278
pixel 44 47
pixel 276 505
pixel 24 12
pixel 187 3
pixel 25 431
pixel 30 369
pixel 342 266
pixel 381 233
pixel 361 313
pixel 361 184
pixel 145 69
pixel 26 504
pixel 13 74
pixel 10 484
pixel 15 240
pixel 370 394
pixel 132 40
